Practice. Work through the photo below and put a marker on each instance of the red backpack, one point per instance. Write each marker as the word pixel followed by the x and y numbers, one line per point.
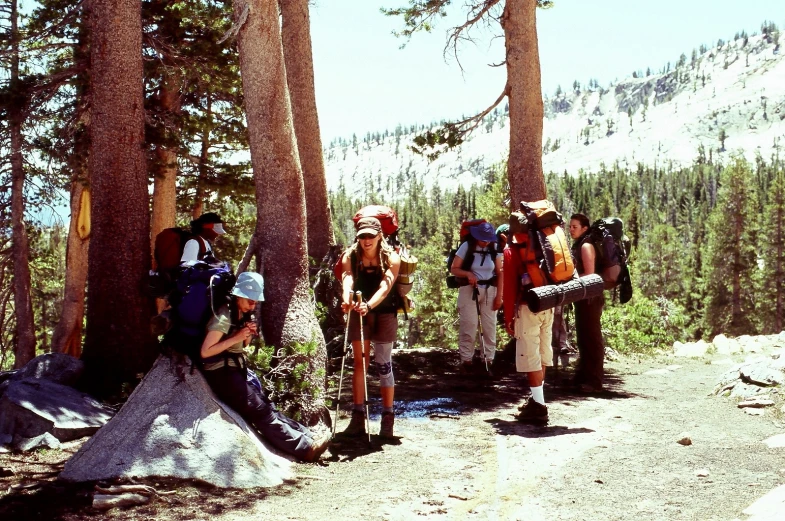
pixel 168 249
pixel 389 220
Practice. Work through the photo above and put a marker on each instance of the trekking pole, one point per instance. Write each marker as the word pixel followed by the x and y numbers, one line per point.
pixel 476 298
pixel 359 296
pixel 343 364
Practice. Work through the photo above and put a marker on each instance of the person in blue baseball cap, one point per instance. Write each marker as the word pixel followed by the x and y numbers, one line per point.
pixel 479 261
pixel 224 366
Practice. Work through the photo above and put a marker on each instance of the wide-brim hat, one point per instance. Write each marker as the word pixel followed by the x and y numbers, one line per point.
pixel 483 232
pixel 249 285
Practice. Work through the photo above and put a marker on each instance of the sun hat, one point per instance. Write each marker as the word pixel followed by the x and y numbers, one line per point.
pixel 369 226
pixel 483 232
pixel 211 218
pixel 249 285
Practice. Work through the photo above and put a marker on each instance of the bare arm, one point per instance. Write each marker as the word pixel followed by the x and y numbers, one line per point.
pixel 387 282
pixel 217 342
pixel 497 302
pixel 588 256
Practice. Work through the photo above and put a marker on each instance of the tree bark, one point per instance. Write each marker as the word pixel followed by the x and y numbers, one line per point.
pixel 165 180
pixel 118 342
pixel 24 349
pixel 298 55
pixel 524 167
pixel 67 336
pixel 288 312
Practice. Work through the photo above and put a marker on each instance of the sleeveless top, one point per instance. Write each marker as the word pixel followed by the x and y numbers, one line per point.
pixel 368 281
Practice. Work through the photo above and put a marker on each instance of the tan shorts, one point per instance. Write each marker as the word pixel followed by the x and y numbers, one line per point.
pixel 382 327
pixel 533 340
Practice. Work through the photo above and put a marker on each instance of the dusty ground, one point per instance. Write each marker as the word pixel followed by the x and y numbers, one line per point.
pixel 461 455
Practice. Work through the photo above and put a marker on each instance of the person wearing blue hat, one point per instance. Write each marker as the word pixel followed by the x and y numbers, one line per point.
pixel 224 366
pixel 479 262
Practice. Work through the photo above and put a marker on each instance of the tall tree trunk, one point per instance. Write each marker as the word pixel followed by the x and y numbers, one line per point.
pixel 296 34
pixel 67 336
pixel 118 342
pixel 24 349
pixel 204 157
pixel 524 167
pixel 165 180
pixel 288 313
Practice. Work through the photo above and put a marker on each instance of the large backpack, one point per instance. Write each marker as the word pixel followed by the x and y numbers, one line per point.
pixel 167 252
pixel 464 235
pixel 405 281
pixel 612 248
pixel 200 291
pixel 546 228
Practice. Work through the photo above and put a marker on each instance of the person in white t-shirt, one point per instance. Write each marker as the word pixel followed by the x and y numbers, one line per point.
pixel 480 263
pixel 205 229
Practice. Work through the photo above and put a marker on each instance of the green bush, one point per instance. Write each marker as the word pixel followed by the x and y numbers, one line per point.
pixel 644 325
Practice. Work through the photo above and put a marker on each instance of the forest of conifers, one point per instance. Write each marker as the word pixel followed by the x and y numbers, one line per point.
pixel 141 141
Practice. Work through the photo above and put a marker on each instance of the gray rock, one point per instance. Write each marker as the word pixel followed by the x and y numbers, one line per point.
pixel 174 426
pixel 44 440
pixel 32 407
pixel 56 367
pixel 761 373
pixel 744 390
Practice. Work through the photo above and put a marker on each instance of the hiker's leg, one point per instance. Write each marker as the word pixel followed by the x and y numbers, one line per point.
pixel 595 347
pixel 545 319
pixel 582 334
pixel 231 387
pixel 383 358
pixel 467 315
pixel 488 317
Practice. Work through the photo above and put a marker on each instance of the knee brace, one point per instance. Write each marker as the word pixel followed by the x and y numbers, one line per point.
pixel 383 359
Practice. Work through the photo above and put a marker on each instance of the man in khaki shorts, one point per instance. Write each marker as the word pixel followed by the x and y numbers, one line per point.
pixel 532 331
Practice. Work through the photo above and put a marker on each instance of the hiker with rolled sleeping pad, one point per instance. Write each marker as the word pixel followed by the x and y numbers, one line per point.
pixel 224 366
pixel 477 271
pixel 370 267
pixel 537 255
pixel 597 249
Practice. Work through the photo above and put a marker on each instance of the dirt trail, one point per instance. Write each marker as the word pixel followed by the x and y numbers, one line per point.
pixel 461 455
pixel 610 457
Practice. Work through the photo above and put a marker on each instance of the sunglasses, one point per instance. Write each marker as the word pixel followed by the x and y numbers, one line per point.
pixel 365 236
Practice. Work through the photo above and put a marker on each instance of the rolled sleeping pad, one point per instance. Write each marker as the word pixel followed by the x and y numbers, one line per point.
pixel 547 297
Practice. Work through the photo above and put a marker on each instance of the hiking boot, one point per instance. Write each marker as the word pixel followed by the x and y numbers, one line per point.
pixel 466 368
pixel 319 444
pixel 356 425
pixel 388 420
pixel 533 412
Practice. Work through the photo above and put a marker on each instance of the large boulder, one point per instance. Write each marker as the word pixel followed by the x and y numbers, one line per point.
pixel 32 407
pixel 55 367
pixel 173 426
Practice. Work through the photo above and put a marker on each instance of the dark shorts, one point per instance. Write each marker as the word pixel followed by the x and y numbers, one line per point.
pixel 382 327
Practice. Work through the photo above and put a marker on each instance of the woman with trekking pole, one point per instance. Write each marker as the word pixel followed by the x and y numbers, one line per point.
pixel 480 263
pixel 224 367
pixel 370 267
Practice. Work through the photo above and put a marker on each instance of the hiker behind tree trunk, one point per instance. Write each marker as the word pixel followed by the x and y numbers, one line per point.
pixel 204 229
pixel 532 331
pixel 588 312
pixel 479 300
pixel 224 368
pixel 371 266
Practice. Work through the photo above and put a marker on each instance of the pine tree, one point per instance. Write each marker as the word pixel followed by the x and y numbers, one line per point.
pixel 730 257
pixel 773 254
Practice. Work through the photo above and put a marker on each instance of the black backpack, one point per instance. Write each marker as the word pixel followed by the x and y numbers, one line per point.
pixel 612 247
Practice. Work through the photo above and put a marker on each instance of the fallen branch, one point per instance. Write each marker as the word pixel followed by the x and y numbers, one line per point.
pixel 105 502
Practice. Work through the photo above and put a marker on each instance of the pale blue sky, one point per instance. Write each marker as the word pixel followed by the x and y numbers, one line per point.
pixel 364 82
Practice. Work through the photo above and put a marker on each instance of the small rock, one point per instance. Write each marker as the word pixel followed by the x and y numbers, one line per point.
pixel 754 412
pixel 775 442
pixel 702 473
pixel 755 402
pixel 684 439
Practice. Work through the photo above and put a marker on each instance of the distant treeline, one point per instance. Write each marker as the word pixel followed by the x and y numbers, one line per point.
pixel 707 243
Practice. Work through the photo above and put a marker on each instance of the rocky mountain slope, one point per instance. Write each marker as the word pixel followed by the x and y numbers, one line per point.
pixel 729 98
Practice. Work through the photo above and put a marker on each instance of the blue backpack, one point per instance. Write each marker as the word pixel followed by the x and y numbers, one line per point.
pixel 200 291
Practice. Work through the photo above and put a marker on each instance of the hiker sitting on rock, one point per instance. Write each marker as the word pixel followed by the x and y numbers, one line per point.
pixel 204 229
pixel 371 266
pixel 224 368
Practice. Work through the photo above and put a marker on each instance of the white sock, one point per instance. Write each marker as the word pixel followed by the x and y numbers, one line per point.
pixel 538 394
